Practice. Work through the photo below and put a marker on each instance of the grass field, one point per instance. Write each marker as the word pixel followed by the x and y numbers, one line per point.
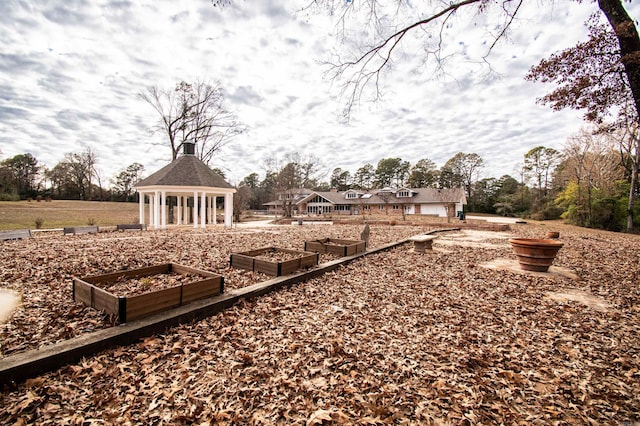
pixel 60 213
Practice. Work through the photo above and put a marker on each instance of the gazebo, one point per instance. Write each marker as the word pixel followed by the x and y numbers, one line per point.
pixel 196 188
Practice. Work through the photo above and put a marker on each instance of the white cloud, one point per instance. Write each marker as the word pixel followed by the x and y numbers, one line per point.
pixel 70 74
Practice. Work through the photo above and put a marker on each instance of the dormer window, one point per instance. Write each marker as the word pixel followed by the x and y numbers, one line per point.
pixel 403 193
pixel 351 195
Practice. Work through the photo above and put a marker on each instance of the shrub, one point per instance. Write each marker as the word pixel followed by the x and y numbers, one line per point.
pixel 91 221
pixel 39 222
pixel 9 196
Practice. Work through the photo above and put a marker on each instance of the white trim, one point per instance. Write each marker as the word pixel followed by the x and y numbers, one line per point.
pixel 203 213
pixel 156 210
pixel 141 208
pixel 195 209
pixel 185 189
pixel 163 206
pixel 228 209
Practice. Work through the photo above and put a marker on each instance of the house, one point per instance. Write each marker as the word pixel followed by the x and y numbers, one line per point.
pixel 446 202
pixel 287 200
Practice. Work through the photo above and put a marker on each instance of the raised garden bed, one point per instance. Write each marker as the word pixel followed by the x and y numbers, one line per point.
pixel 336 246
pixel 91 290
pixel 274 260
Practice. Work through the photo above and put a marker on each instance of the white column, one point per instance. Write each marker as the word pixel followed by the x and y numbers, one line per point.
pixel 185 209
pixel 151 201
pixel 141 207
pixel 203 213
pixel 210 215
pixel 195 209
pixel 163 203
pixel 215 209
pixel 156 210
pixel 228 209
pixel 179 209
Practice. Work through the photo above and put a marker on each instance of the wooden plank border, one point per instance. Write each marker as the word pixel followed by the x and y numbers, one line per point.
pixel 16 234
pixel 91 229
pixel 19 367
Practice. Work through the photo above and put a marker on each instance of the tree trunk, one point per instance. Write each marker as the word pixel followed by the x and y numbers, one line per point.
pixel 635 162
pixel 629 41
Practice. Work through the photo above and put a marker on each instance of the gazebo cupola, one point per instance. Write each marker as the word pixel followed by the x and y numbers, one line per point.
pixel 195 188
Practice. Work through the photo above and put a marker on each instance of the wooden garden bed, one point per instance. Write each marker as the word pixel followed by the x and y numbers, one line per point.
pixel 274 261
pixel 91 291
pixel 336 246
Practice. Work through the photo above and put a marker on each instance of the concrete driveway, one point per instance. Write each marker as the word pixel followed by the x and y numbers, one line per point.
pixel 495 219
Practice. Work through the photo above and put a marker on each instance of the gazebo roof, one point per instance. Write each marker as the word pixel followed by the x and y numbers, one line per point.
pixel 188 171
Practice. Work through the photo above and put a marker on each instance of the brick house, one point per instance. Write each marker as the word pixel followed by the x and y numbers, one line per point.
pixel 413 201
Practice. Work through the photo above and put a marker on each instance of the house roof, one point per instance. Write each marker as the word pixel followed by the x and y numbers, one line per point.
pixel 186 170
pixel 419 196
pixel 433 195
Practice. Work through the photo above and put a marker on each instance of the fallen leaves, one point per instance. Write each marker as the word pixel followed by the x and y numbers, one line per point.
pixel 392 338
pixel 41 270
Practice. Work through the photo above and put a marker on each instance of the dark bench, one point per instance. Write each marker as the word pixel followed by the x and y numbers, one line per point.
pixel 135 226
pixel 17 234
pixel 81 230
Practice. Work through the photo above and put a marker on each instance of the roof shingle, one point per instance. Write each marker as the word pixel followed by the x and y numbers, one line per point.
pixel 187 170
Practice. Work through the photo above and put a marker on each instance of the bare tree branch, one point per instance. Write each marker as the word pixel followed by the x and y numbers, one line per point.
pixel 194 113
pixel 366 68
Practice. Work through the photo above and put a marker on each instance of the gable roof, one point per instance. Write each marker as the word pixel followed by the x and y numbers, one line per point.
pixel 419 196
pixel 445 195
pixel 186 170
pixel 331 196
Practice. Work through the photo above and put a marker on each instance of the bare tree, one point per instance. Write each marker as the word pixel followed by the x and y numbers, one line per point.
pixel 538 164
pixel 241 201
pixel 388 29
pixel 193 112
pixel 76 172
pixel 461 170
pixel 629 143
pixel 590 160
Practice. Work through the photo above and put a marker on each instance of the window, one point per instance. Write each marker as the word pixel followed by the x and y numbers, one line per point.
pixel 342 208
pixel 380 207
pixel 365 208
pixel 403 194
pixel 396 207
pixel 317 199
pixel 351 195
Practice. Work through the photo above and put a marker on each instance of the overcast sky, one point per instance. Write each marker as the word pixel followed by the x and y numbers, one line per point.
pixel 70 72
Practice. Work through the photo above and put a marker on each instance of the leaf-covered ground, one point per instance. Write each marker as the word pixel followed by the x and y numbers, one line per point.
pixel 395 337
pixel 42 268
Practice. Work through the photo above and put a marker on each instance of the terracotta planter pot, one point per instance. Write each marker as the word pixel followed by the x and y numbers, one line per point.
pixel 534 254
pixel 553 234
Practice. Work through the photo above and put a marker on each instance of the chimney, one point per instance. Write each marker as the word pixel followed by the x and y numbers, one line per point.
pixel 189 148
